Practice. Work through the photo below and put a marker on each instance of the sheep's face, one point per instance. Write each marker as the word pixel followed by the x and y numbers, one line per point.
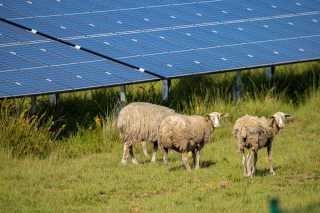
pixel 215 118
pixel 279 118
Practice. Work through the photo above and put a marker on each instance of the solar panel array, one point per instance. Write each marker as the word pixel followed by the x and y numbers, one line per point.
pixel 95 43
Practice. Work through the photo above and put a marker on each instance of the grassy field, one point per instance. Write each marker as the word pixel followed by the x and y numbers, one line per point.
pixel 67 158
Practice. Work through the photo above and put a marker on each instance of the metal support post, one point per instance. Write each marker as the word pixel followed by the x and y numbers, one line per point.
pixel 166 89
pixel 270 73
pixel 122 99
pixel 122 94
pixel 54 99
pixel 33 105
pixel 237 89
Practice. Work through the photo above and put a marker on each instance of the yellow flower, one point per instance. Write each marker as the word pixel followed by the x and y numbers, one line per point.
pixel 197 108
pixel 22 119
pixel 98 122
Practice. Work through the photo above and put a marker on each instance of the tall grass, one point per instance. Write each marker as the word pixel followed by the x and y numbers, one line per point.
pixel 67 158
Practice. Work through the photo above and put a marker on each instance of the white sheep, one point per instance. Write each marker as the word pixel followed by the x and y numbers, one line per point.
pixel 139 122
pixel 255 133
pixel 187 133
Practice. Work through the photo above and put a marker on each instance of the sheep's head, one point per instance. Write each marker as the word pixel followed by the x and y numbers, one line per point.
pixel 279 119
pixel 214 117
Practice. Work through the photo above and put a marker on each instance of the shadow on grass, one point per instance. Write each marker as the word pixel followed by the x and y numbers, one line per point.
pixel 312 207
pixel 203 164
pixel 265 172
pixel 207 163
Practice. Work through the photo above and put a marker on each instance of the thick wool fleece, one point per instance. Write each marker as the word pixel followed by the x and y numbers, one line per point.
pixel 184 133
pixel 140 121
pixel 248 127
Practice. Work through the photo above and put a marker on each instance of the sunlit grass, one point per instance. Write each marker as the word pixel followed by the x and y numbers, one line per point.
pixel 79 169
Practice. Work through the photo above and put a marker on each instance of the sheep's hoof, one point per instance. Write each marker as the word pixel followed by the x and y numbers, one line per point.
pixel 123 162
pixel 134 161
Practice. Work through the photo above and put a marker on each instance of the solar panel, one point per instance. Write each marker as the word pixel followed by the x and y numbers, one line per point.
pixel 167 38
pixel 31 64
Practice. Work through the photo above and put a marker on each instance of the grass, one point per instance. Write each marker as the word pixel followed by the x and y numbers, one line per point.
pixel 80 171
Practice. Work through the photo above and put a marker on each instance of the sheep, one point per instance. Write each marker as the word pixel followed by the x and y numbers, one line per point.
pixel 139 122
pixel 255 133
pixel 187 133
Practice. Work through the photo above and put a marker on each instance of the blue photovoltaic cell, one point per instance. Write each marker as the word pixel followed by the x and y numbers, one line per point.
pixel 260 52
pixel 17 61
pixel 236 57
pixel 126 18
pixel 304 45
pixel 287 50
pixel 134 76
pixel 92 74
pixel 46 27
pixel 132 45
pixel 41 56
pixel 31 64
pixel 159 42
pixel 158 17
pixel 308 24
pixel 103 48
pixel 204 58
pixel 17 34
pixel 28 8
pixel 10 89
pixel 78 27
pixel 60 7
pixel 315 39
pixel 295 7
pixel 31 81
pixel 5 67
pixel 263 31
pixel 158 67
pixel 169 38
pixel 181 63
pixel 66 51
pixel 87 5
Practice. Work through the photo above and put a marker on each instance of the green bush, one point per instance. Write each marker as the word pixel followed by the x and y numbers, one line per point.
pixel 24 135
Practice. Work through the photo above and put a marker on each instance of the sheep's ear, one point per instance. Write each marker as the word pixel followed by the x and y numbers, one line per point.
pixel 224 115
pixel 288 116
pixel 271 117
pixel 207 117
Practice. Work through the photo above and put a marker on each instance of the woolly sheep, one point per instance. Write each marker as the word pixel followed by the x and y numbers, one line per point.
pixel 139 122
pixel 255 133
pixel 187 133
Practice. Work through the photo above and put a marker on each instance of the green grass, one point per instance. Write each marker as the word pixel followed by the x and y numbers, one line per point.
pixel 80 170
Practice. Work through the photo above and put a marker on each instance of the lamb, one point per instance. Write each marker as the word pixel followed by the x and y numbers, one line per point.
pixel 139 122
pixel 187 133
pixel 255 133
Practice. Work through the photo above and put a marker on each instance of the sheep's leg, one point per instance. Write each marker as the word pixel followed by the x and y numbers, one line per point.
pixel 165 156
pixel 185 160
pixel 241 150
pixel 243 162
pixel 155 149
pixel 270 159
pixel 125 153
pixel 144 148
pixel 133 158
pixel 198 158
pixel 194 158
pixel 255 163
pixel 251 152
